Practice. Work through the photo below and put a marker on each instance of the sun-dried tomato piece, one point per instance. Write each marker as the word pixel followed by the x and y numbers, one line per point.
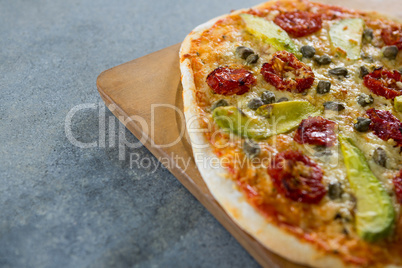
pixel 285 72
pixel 384 82
pixel 299 23
pixel 297 177
pixel 398 186
pixel 385 125
pixel 316 131
pixel 392 36
pixel 227 81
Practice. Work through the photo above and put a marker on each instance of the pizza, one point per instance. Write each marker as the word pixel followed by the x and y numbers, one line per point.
pixel 294 112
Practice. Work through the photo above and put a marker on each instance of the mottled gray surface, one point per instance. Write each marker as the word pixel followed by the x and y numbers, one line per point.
pixel 64 206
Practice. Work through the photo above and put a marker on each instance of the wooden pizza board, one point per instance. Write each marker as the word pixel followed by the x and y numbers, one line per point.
pixel 147 90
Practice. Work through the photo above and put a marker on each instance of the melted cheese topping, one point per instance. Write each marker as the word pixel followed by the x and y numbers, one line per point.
pixel 330 224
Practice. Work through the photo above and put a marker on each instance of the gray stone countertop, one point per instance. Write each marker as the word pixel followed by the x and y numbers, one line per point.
pixel 66 206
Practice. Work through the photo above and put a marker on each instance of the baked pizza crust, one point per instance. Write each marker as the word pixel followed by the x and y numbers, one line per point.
pixel 225 190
